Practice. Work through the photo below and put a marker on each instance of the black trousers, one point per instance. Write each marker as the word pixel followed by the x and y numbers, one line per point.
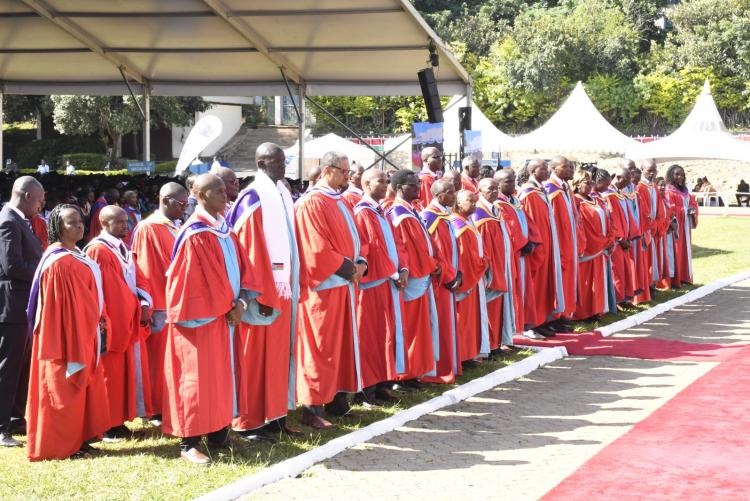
pixel 214 438
pixel 15 358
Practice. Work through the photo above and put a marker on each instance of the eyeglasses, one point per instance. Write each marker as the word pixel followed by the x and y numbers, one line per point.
pixel 178 202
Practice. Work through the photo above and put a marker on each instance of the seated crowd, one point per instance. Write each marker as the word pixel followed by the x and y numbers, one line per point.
pixel 225 308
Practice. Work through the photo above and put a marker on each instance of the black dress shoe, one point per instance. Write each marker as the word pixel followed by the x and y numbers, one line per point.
pixel 339 406
pixel 259 435
pixel 545 331
pixel 384 395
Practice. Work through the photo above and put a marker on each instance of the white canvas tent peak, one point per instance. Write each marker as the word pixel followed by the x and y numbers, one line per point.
pixel 219 47
pixel 316 148
pixel 576 127
pixel 493 140
pixel 702 135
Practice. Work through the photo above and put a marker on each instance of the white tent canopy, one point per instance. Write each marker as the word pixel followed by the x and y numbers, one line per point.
pixel 315 149
pixel 702 135
pixel 218 47
pixel 493 140
pixel 576 127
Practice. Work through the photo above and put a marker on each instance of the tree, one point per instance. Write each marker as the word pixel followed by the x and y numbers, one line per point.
pixel 113 116
pixel 21 108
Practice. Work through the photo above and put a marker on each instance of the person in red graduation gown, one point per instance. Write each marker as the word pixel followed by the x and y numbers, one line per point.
pixel 665 235
pixel 686 213
pixel 263 218
pixel 432 170
pixel 496 248
pixel 470 168
pixel 648 191
pixel 592 266
pixel 623 233
pixel 39 227
pixel 566 223
pixel 546 271
pixel 642 223
pixel 127 313
pixel 446 279
pixel 331 259
pixel 380 302
pixel 353 192
pixel 521 234
pixel 67 400
pixel 208 290
pixel 420 312
pixel 109 197
pixel 153 240
pixel 471 312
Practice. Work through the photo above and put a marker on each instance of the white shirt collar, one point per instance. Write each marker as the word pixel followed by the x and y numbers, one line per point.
pixel 216 222
pixel 116 242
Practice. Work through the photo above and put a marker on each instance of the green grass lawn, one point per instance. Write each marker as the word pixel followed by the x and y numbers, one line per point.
pixel 149 466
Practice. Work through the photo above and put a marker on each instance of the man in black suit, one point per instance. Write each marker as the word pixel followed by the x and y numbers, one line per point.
pixel 20 252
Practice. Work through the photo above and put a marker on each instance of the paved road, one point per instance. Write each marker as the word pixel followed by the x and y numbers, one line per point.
pixel 520 439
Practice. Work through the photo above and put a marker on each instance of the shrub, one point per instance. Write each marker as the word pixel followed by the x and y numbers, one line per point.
pixel 53 148
pixel 166 167
pixel 85 161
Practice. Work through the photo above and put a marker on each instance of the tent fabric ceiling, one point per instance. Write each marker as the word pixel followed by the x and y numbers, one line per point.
pixel 224 47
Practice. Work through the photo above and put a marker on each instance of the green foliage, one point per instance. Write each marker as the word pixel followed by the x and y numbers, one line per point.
pixel 52 149
pixel 17 108
pixel 85 161
pixel 615 97
pixel 166 167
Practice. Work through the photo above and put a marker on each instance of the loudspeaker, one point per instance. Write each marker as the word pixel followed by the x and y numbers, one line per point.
pixel 430 94
pixel 464 118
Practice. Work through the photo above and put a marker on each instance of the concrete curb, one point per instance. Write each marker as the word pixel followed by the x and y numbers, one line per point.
pixel 296 465
pixel 651 313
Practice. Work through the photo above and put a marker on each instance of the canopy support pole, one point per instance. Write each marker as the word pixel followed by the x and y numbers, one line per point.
pixel 350 130
pixel 146 123
pixel 301 112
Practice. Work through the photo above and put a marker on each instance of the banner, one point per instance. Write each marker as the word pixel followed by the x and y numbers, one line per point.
pixel 425 134
pixel 473 144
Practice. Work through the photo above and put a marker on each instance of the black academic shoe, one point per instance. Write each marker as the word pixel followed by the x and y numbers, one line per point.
pixel 339 406
pixel 382 394
pixel 18 426
pixel 545 331
pixel 366 401
pixel 256 436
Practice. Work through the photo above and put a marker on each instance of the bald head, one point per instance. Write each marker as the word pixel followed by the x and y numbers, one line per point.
pixel 269 157
pixel 211 193
pixel 506 180
pixel 466 202
pixel 441 186
pixel 27 195
pixel 432 158
pixel 206 182
pixel 172 190
pixel 231 182
pixel 649 169
pixel 375 183
pixel 114 221
pixel 628 164
pixel 538 170
pixel 622 177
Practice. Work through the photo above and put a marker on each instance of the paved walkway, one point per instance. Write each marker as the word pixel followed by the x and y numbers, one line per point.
pixel 520 439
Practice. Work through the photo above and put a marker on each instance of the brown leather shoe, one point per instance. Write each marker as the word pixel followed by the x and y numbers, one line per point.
pixel 196 457
pixel 317 422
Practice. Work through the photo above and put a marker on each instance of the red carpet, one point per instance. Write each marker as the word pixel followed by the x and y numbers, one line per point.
pixel 694 447
pixel 593 343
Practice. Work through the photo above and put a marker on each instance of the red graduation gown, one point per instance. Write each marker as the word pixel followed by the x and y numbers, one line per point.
pixel 646 265
pixel 445 250
pixel 683 253
pixel 63 412
pixel 543 261
pixel 488 225
pixel 420 355
pixel 566 223
pixel 426 179
pixel 39 227
pixel 262 351
pixel 199 390
pixel 153 240
pixel 122 314
pixel 473 267
pixel 592 265
pixel 520 234
pixel 327 351
pixel 468 183
pixel 376 309
pixel 622 265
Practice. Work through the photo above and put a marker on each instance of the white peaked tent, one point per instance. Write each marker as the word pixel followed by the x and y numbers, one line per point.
pixel 316 148
pixel 493 140
pixel 576 127
pixel 702 135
